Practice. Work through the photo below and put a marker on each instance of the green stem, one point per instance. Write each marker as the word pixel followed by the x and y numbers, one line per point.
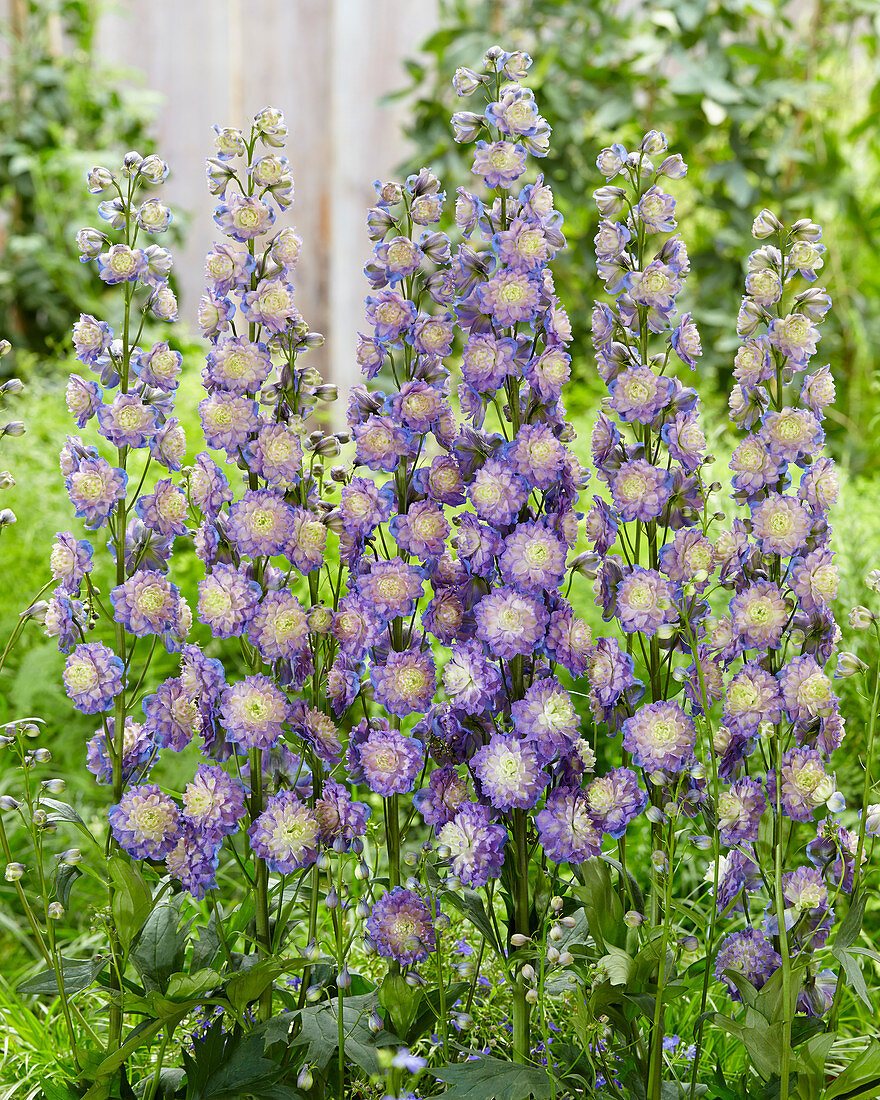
pixel 522 1048
pixel 261 885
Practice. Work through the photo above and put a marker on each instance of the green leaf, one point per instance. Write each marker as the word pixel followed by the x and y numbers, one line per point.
pixel 617 966
pixel 185 986
pixel 492 1079
pixel 63 811
pixel 601 904
pixel 845 938
pixel 132 900
pixel 762 1040
pixel 159 950
pixel 861 1078
pixel 66 877
pixel 470 905
pixel 400 1002
pixel 319 1033
pixel 207 944
pixel 247 985
pixel 76 974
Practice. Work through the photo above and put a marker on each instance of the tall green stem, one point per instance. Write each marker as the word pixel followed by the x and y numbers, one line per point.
pixel 522 1047
pixel 261 885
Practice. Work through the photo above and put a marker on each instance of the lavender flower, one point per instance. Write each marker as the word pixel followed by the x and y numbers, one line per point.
pixel 615 799
pixel 509 772
pixel 401 927
pixel 93 677
pixel 476 846
pixel 660 736
pixel 286 834
pixel 340 820
pixel 214 802
pixel 749 954
pixel 565 828
pixel 145 822
pixel 387 761
pixel 254 711
pixel 510 622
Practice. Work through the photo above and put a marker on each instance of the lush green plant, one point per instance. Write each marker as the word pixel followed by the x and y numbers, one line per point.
pixel 59 109
pixel 770 103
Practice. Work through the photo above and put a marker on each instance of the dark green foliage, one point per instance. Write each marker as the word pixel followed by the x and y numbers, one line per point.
pixel 770 104
pixel 60 112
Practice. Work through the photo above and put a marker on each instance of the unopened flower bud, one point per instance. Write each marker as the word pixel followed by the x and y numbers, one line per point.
pixel 362 872
pixel 153 169
pixel 55 910
pixel 55 786
pixel 14 871
pixel 305 1080
pixel 374 1022
pixel 658 860
pixel 532 996
pixel 553 954
pixel 314 993
pixel 848 664
pixel 721 739
pixel 415 980
pixel 12 385
pixel 332 899
pixel 6 479
pixel 71 857
pixel 690 943
pixel 320 619
pixel 836 803
pixel 519 940
pixel 43 756
pixel 632 919
pixel 766 224
pixel 654 142
pixel 702 842
pixel 7 802
pixel 7 517
pixel 40 817
pixel 655 815
pixel 14 427
pixel 343 978
pixel 872 819
pixel 131 162
pixel 555 934
pixel 873 580
pixel 528 972
pixel 805 230
pixel 861 618
pixel 98 180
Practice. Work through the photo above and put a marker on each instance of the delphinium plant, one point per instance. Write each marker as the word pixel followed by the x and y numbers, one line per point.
pixel 396 723
pixel 739 717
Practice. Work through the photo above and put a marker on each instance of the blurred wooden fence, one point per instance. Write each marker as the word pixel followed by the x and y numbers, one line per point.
pixel 325 63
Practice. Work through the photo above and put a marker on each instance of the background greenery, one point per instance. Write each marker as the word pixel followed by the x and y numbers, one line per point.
pixel 61 111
